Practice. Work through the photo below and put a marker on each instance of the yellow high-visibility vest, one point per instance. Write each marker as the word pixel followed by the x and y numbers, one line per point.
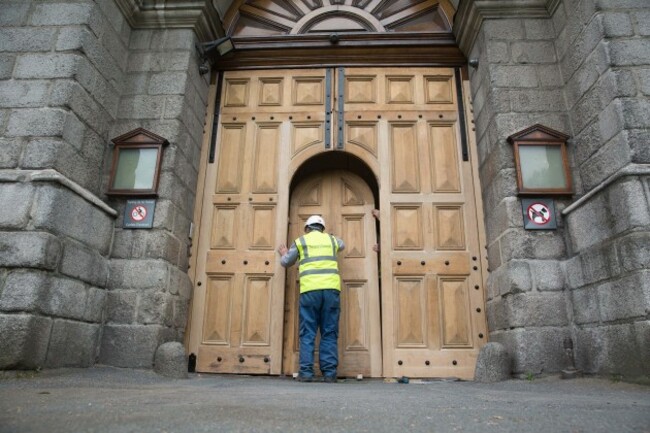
pixel 318 268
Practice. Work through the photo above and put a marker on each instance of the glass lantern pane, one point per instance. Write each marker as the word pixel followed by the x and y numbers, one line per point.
pixel 541 167
pixel 135 168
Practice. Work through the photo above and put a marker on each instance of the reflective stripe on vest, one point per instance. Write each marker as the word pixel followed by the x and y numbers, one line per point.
pixel 318 268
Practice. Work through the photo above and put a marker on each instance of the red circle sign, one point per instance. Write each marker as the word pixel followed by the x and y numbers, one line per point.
pixel 138 213
pixel 539 213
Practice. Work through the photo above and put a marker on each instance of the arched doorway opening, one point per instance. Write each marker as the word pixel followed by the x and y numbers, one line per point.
pixel 342 189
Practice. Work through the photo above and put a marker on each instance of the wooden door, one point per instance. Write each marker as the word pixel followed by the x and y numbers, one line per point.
pixel 237 313
pixel 345 202
pixel 433 318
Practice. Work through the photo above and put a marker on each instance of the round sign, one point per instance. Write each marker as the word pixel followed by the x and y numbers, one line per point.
pixel 539 214
pixel 138 213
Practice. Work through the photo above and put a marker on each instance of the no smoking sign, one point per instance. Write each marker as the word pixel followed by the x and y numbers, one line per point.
pixel 539 213
pixel 138 214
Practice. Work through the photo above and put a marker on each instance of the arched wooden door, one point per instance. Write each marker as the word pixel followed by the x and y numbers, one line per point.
pixel 345 202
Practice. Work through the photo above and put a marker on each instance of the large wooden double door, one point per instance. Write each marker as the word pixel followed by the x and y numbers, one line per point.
pixel 422 313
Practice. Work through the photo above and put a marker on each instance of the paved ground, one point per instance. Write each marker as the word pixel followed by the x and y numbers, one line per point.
pixel 104 399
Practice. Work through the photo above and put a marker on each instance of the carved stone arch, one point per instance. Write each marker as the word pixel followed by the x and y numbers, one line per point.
pixel 365 20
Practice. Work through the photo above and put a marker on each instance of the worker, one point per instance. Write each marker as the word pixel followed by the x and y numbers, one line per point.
pixel 320 289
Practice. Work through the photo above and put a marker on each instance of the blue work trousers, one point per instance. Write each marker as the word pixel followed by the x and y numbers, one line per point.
pixel 319 309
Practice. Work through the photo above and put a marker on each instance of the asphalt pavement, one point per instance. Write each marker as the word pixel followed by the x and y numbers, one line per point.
pixel 106 399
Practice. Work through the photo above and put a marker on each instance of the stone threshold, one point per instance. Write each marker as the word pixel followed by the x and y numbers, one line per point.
pixel 51 175
pixel 628 170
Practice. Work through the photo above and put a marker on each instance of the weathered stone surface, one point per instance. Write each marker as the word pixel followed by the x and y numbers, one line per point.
pixel 585 305
pixel 642 333
pixel 154 307
pixel 29 250
pixel 609 349
pixel 83 263
pixel 497 314
pixel 56 14
pixel 24 341
pixel 534 350
pixel 513 277
pixel 14 13
pixel 121 306
pixel 36 121
pixel 629 52
pixel 138 274
pixel 625 298
pixel 493 364
pixel 634 251
pixel 181 312
pixel 526 310
pixel 73 344
pixel 24 39
pixel 129 345
pixel 599 263
pixel 547 275
pixel 16 199
pixel 23 290
pixel 170 360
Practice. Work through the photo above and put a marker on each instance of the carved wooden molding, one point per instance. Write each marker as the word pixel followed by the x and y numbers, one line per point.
pixel 199 15
pixel 472 13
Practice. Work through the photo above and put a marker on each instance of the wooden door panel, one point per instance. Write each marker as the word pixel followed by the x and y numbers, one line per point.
pixel 345 202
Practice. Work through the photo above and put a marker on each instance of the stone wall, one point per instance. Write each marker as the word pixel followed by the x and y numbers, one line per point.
pixel 580 67
pixel 604 53
pixel 75 287
pixel 61 70
pixel 149 289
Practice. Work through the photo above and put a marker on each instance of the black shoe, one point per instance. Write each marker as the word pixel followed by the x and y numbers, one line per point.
pixel 305 378
pixel 329 379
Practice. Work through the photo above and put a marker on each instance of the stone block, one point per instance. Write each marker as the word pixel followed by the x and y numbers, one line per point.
pixel 642 22
pixel 627 204
pixel 616 24
pixel 547 275
pixel 14 13
pixel 549 75
pixel 22 93
pixel 508 29
pixel 589 224
pixel 534 350
pixel 170 360
pixel 520 244
pixel 512 277
pixel 26 39
pixel 155 244
pixel 581 47
pixel 140 39
pixel 141 107
pixel 60 155
pixel 121 306
pixel 7 62
pixel 625 298
pixel 86 264
pixel 130 346
pixel 11 149
pixel 59 65
pixel 585 305
pixel 61 211
pixel 168 83
pixel 642 333
pixel 36 121
pixel 600 263
pixel 64 298
pixel 636 111
pixel 573 272
pixel 513 76
pixel 493 364
pixel 629 52
pixel 95 305
pixel 23 291
pixel 497 314
pixel 526 310
pixel 16 199
pixel 73 344
pixel 175 107
pixel 610 349
pixel 175 39
pixel 638 141
pixel 29 250
pixel 57 14
pixel 536 100
pixel 154 307
pixel 181 309
pixel 179 283
pixel 74 96
pixel 24 341
pixel 138 274
pixel 634 251
pixel 533 52
pixel 159 62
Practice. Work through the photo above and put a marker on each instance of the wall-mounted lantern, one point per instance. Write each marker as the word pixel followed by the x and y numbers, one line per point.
pixel 136 163
pixel 541 161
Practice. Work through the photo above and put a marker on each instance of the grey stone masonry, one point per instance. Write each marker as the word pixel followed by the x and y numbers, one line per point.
pixel 149 286
pixel 581 70
pixel 62 67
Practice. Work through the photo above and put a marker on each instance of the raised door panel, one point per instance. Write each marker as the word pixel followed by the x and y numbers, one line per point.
pixel 405 159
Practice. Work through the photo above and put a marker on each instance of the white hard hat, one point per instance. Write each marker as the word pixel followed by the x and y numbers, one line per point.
pixel 315 219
